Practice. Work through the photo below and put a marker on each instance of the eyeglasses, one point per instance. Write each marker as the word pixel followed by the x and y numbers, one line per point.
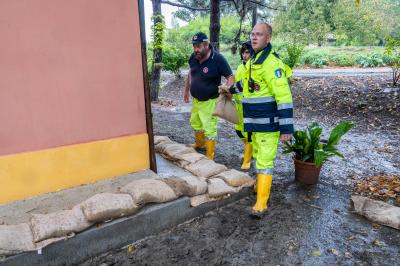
pixel 256 34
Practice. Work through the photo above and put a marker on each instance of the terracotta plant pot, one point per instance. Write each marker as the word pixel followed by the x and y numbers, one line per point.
pixel 306 172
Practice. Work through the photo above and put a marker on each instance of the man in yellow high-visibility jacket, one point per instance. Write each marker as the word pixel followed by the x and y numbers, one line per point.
pixel 245 53
pixel 267 108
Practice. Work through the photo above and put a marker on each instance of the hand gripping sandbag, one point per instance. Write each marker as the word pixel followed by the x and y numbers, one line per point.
pixel 225 109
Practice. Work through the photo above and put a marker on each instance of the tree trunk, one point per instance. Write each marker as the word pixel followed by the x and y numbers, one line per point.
pixel 157 56
pixel 254 16
pixel 215 23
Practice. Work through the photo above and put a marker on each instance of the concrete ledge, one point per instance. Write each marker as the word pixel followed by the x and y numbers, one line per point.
pixel 151 220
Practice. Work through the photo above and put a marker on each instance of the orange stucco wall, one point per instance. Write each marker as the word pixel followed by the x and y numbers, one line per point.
pixel 70 73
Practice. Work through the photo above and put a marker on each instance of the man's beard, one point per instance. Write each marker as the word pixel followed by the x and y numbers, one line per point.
pixel 200 55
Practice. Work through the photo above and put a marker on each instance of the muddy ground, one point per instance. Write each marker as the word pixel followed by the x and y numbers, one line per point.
pixel 305 225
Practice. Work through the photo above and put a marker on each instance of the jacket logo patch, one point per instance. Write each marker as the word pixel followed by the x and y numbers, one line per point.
pixel 278 73
pixel 205 70
pixel 256 87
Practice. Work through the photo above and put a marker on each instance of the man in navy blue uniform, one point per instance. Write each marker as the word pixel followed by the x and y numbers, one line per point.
pixel 207 66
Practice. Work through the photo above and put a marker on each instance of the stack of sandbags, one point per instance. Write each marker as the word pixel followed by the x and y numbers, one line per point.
pixel 377 211
pixel 106 206
pixel 149 190
pixel 205 168
pixel 58 224
pixel 236 178
pixel 187 185
pixel 15 239
pixel 160 139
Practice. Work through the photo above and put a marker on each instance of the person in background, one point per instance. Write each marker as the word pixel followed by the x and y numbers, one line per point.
pixel 246 51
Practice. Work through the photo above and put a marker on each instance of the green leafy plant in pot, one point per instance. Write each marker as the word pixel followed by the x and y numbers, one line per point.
pixel 310 152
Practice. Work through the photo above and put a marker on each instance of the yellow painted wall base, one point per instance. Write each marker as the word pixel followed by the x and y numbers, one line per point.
pixel 33 173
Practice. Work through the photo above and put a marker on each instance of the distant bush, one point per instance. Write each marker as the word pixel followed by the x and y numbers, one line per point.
pixel 315 59
pixel 174 59
pixel 293 54
pixel 372 60
pixel 342 60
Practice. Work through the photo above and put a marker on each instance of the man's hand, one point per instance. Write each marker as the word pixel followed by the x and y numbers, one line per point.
pixel 186 96
pixel 285 137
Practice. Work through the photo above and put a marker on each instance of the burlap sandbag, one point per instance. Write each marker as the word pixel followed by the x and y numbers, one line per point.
pixel 200 199
pixel 173 150
pixel 149 190
pixel 205 168
pixel 197 185
pixel 236 178
pixel 377 211
pixel 226 109
pixel 15 239
pixel 187 185
pixel 57 224
pixel 160 147
pixel 105 206
pixel 159 139
pixel 178 185
pixel 217 187
pixel 188 158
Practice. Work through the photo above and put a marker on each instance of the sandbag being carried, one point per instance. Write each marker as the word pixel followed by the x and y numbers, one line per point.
pixel 149 190
pixel 226 109
pixel 236 178
pixel 187 185
pixel 205 168
pixel 105 206
pixel 377 211
pixel 59 223
pixel 217 187
pixel 15 239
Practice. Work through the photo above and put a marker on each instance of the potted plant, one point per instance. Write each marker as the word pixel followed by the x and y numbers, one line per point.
pixel 310 152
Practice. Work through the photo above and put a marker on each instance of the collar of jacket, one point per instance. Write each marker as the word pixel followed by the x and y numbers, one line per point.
pixel 264 54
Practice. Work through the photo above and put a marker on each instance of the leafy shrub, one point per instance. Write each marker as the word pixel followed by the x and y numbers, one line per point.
pixel 392 51
pixel 342 60
pixel 174 59
pixel 372 60
pixel 293 54
pixel 315 59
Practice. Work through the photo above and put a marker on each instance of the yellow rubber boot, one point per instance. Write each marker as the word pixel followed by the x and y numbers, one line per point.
pixel 200 140
pixel 248 152
pixel 210 149
pixel 264 183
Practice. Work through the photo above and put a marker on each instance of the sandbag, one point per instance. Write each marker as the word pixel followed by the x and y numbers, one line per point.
pixel 58 224
pixel 105 206
pixel 226 109
pixel 160 147
pixel 200 199
pixel 178 185
pixel 377 211
pixel 217 187
pixel 188 158
pixel 197 185
pixel 159 139
pixel 187 185
pixel 15 239
pixel 236 178
pixel 173 150
pixel 149 190
pixel 205 168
